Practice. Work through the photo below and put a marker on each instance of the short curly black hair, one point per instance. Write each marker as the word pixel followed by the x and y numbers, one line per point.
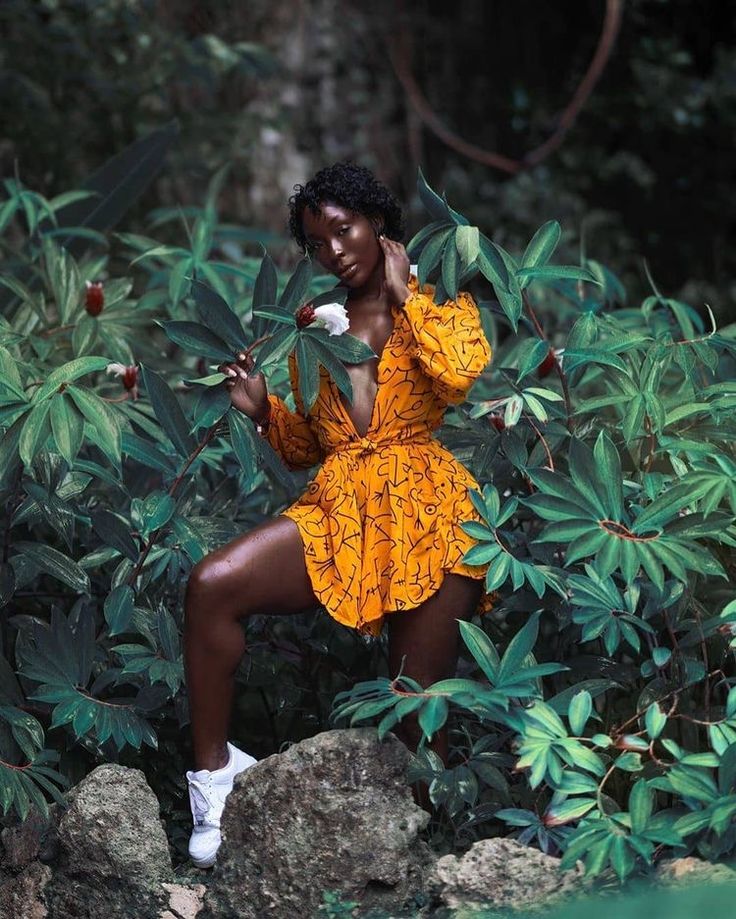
pixel 351 186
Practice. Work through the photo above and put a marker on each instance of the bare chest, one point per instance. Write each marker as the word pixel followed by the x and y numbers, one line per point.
pixel 375 331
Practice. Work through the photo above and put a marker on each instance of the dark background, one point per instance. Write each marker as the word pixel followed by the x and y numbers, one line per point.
pixel 281 88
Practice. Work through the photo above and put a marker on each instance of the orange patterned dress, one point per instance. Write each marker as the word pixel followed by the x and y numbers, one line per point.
pixel 380 520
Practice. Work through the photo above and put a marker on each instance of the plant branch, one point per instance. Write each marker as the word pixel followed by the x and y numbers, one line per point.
pixel 400 55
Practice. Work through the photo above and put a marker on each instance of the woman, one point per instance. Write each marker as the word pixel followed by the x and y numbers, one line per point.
pixel 377 531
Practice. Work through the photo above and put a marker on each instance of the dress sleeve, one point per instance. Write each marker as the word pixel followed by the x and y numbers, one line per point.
pixel 450 344
pixel 290 433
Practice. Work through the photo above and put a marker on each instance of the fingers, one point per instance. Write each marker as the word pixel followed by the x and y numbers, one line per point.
pixel 238 368
pixel 391 246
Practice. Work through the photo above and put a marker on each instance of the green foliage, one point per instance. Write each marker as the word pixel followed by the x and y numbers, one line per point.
pixel 607 506
pixel 595 715
pixel 117 477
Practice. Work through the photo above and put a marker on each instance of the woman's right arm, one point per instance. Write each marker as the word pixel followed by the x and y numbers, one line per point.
pixel 289 433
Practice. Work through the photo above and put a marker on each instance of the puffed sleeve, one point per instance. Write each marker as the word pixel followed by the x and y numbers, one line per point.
pixel 450 344
pixel 290 433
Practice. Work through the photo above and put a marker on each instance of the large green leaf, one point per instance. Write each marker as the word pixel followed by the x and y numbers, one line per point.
pixel 308 365
pixel 519 648
pixel 266 286
pixel 117 184
pixel 198 339
pixel 67 426
pixel 417 243
pixel 542 245
pixel 69 372
pixel 103 418
pixel 451 270
pixel 111 529
pixel 145 452
pixel 36 429
pixel 346 347
pixel 64 278
pixel 435 205
pixel 241 436
pixel 169 412
pixel 217 316
pixel 333 366
pixel 433 715
pixel 467 241
pixel 119 609
pixel 56 564
pixel 609 471
pixel 276 348
pixel 432 254
pixel 555 273
pixel 492 265
pixel 482 649
pixel 297 286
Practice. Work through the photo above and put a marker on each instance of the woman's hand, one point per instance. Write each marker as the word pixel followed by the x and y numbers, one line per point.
pixel 396 270
pixel 248 394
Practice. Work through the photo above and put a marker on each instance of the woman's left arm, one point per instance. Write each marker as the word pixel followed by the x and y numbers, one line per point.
pixel 451 346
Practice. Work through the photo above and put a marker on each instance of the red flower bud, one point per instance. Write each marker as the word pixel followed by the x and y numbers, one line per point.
pixel 547 364
pixel 304 316
pixel 94 298
pixel 130 377
pixel 497 421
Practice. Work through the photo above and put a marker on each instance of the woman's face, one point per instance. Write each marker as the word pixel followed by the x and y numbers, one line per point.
pixel 344 243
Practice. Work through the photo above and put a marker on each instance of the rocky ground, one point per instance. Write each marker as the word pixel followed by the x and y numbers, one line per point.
pixel 333 813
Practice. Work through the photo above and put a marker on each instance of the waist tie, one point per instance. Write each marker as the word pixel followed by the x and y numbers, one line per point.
pixel 366 445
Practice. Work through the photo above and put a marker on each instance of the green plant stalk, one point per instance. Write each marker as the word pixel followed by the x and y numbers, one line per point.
pixel 558 369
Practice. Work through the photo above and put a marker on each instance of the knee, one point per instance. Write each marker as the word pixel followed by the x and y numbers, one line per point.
pixel 208 592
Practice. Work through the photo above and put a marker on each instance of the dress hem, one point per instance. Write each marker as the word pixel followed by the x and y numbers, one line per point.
pixel 374 626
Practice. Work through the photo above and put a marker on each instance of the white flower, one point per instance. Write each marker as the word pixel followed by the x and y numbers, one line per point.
pixel 117 370
pixel 334 317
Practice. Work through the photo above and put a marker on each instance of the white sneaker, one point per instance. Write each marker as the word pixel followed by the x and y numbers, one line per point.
pixel 207 793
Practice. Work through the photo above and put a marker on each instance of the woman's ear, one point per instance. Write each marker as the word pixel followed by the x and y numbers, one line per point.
pixel 377 224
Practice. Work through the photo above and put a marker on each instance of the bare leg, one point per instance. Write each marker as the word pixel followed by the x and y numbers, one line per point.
pixel 260 572
pixel 428 636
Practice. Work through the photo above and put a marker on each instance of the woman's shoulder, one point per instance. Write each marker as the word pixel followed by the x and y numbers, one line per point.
pixel 428 290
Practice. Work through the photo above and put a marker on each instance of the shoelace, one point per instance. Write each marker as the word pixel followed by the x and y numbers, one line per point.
pixel 199 798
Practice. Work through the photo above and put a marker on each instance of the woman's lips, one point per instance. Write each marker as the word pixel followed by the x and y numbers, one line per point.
pixel 347 272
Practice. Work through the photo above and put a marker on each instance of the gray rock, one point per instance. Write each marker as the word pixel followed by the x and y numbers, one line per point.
pixel 332 813
pixel 500 874
pixel 682 871
pixel 113 850
pixel 23 897
pixel 185 901
pixel 22 842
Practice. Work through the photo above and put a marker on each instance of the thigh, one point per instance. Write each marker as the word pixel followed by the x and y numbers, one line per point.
pixel 428 635
pixel 262 571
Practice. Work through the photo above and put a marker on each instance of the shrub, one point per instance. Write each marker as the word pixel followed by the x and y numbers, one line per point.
pixel 117 476
pixel 606 726
pixel 603 439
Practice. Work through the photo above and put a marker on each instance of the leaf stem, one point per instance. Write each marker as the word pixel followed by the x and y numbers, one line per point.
pixel 558 369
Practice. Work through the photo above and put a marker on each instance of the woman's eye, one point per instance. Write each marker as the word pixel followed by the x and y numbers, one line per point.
pixel 342 231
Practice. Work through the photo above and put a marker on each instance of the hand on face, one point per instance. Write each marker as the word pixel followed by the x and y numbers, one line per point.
pixel 396 270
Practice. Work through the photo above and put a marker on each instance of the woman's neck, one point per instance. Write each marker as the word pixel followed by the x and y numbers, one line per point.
pixel 370 292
